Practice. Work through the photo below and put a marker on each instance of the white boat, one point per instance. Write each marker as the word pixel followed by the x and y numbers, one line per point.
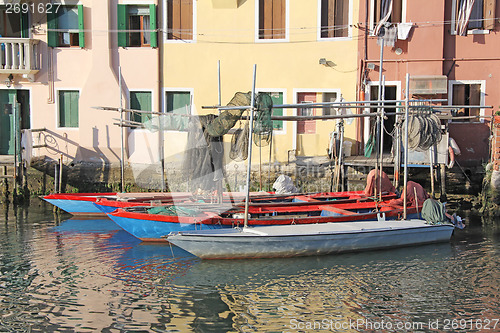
pixel 308 240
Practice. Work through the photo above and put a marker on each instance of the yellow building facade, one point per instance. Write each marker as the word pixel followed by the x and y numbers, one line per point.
pixel 304 51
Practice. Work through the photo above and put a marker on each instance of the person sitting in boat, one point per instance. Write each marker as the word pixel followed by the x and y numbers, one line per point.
pixel 372 182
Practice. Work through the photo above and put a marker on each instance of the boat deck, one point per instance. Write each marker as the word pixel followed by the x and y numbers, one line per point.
pixel 311 229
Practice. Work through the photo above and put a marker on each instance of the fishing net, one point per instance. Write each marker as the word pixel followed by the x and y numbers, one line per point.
pixel 203 161
pixel 173 211
pixel 262 128
pixel 227 119
pixel 263 125
pixel 239 144
pixel 424 131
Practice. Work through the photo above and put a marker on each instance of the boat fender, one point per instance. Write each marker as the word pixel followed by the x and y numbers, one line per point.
pixel 451 161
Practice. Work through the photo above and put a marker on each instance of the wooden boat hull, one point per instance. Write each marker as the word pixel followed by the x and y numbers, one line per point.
pixel 152 230
pixel 108 205
pixel 308 240
pixel 151 227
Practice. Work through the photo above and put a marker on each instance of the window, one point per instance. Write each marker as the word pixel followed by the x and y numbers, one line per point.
pixel 277 98
pixel 180 19
pixel 272 19
pixel 329 98
pixel 65 24
pixel 68 108
pixel 138 25
pixel 179 103
pixel 141 100
pixel 466 94
pixel 13 24
pixel 471 15
pixel 306 126
pixel 386 11
pixel 334 18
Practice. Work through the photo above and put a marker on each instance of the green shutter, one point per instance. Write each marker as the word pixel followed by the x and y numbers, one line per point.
pixel 176 104
pixel 7 129
pixel 81 33
pixel 277 99
pixel 68 108
pixel 52 25
pixel 122 25
pixel 25 27
pixel 152 25
pixel 141 100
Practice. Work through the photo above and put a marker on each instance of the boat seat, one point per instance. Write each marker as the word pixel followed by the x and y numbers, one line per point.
pixel 338 210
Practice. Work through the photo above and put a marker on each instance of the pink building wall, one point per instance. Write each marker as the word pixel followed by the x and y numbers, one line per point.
pixel 431 49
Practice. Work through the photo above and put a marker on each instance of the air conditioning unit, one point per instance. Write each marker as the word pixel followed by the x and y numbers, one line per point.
pixel 428 84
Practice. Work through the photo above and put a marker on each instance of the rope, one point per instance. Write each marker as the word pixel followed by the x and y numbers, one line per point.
pixel 424 131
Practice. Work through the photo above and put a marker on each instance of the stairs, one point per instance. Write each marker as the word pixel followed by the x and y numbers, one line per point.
pixel 7 167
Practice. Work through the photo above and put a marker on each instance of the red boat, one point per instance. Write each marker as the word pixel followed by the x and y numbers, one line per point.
pixel 151 223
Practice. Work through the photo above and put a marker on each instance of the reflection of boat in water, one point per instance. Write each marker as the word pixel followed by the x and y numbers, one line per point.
pixel 265 271
pixel 307 240
pixel 75 225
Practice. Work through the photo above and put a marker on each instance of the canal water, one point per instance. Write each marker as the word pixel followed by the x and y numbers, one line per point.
pixel 63 274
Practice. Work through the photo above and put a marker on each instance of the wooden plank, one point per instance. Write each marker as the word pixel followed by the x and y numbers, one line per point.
pixel 306 198
pixel 338 210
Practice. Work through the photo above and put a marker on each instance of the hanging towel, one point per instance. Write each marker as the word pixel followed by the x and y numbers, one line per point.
pixel 389 37
pixel 26 147
pixel 404 30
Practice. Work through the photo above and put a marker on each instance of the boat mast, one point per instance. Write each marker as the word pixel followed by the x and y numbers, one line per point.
pixel 250 143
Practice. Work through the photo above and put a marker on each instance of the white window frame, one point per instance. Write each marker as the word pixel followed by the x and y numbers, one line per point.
pixel 58 113
pixel 482 98
pixel 192 110
pixel 349 29
pixel 165 26
pixel 399 92
pixel 453 30
pixel 372 22
pixel 287 25
pixel 153 99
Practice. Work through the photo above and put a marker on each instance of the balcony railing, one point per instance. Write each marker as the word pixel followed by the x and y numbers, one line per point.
pixel 19 56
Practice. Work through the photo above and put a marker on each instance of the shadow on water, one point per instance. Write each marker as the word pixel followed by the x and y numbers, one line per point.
pixel 90 275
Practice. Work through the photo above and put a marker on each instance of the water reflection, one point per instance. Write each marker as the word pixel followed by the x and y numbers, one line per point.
pixel 90 275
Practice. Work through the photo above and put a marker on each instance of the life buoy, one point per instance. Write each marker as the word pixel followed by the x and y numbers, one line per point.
pixel 451 161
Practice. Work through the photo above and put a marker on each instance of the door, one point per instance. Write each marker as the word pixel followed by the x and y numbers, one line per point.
pixel 7 100
pixel 306 126
pixel 389 95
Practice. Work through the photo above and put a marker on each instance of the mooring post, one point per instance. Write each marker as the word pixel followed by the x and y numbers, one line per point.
pixel 5 187
pixel 443 182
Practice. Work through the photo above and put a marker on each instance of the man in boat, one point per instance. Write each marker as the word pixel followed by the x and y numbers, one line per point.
pixel 372 182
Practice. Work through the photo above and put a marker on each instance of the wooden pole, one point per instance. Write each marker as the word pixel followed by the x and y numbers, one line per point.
pixel 443 183
pixel 60 172
pixel 431 167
